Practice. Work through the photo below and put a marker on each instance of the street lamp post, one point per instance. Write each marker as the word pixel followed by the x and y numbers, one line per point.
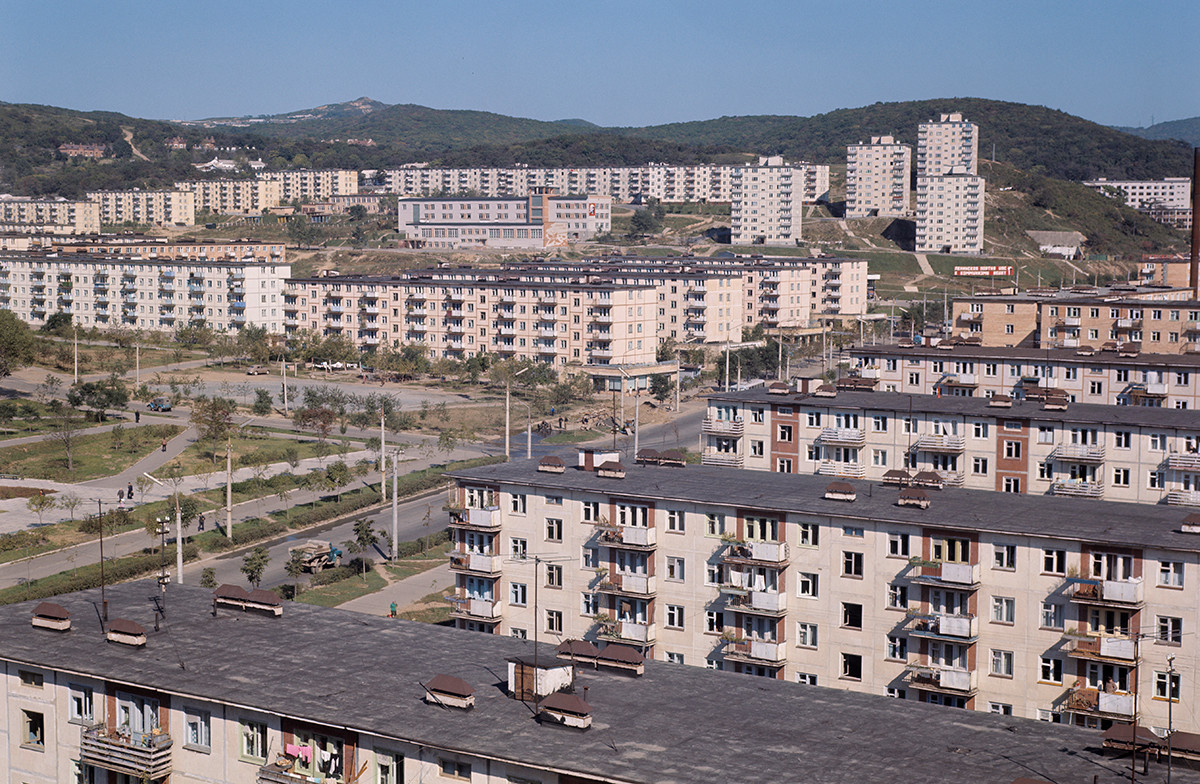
pixel 507 407
pixel 637 408
pixel 178 531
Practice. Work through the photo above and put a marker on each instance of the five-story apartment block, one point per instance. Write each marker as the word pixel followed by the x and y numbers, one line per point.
pixel 310 185
pixel 541 220
pixel 48 216
pixel 158 208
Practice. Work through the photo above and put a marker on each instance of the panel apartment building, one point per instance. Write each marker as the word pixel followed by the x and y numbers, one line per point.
pixel 877 178
pixel 48 216
pixel 1049 608
pixel 1049 447
pixel 950 194
pixel 311 185
pixel 765 204
pixel 206 698
pixel 156 208
pixel 234 197
pixel 163 294
pixel 1171 192
pixel 535 222
pixel 624 184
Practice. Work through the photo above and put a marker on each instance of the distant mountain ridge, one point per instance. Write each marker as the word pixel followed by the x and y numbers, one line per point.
pixel 1187 130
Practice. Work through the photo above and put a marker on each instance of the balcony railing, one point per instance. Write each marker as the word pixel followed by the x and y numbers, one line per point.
pixel 1097 591
pixel 942 443
pixel 838 468
pixel 745 600
pixel 1081 489
pixel 723 427
pixel 628 631
pixel 757 650
pixel 1121 648
pixel 471 607
pixel 942 679
pixel 1184 498
pixel 488 518
pixel 944 625
pixel 1080 453
pixel 632 535
pixel 948 573
pixel 475 562
pixel 1188 461
pixel 843 436
pixel 727 459
pixel 767 552
pixel 142 755
pixel 620 582
pixel 1098 703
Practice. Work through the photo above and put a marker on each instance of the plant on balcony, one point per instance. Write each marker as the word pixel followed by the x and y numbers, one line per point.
pixel 604 620
pixel 732 636
pixel 731 538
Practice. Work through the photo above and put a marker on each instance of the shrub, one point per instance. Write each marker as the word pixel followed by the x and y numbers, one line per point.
pixel 115 571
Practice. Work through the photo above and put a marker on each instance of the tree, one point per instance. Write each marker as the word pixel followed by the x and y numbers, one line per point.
pixel 99 396
pixel 57 324
pixel 254 564
pixel 365 538
pixel 17 343
pixel 70 503
pixel 319 420
pixel 295 569
pixel 213 418
pixel 645 221
pixel 357 212
pixel 40 504
pixel 262 403
pixel 661 386
pixel 65 430
pixel 337 476
pixel 208 577
pixel 142 484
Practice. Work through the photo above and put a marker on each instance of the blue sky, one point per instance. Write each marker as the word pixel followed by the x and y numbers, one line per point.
pixel 613 62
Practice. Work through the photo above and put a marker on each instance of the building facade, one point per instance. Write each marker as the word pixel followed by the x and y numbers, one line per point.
pixel 110 291
pixel 48 216
pixel 234 197
pixel 309 185
pixel 948 144
pixel 157 208
pixel 877 178
pixel 950 210
pixel 765 204
pixel 1034 607
pixel 536 222
pixel 1170 192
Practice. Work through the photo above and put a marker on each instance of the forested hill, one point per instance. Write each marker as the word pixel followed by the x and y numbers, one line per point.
pixel 1187 131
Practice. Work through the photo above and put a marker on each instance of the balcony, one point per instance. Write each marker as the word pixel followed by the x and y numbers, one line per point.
pixel 838 468
pixel 1119 593
pixel 723 427
pixel 1120 649
pixel 942 679
pixel 1077 488
pixel 940 626
pixel 476 609
pixel 945 444
pixel 739 599
pixel 627 584
pixel 628 631
pixel 757 651
pixel 142 755
pixel 941 574
pixel 602 318
pixel 756 552
pixel 1093 702
pixel 478 519
pixel 1184 498
pixel 627 535
pixel 475 562
pixel 1183 462
pixel 843 436
pixel 725 459
pixel 1078 453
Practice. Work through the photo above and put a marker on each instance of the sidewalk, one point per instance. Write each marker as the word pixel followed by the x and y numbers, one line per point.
pixel 402 592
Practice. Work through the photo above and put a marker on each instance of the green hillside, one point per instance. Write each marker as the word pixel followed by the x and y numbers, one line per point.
pixel 1187 131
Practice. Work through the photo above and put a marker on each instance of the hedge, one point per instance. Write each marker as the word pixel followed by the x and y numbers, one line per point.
pixel 115 571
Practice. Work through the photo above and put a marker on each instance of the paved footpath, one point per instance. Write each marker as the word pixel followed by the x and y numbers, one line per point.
pixel 403 592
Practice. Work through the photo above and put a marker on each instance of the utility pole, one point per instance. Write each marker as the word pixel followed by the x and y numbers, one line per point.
pixel 1171 697
pixel 382 453
pixel 283 375
pixel 137 366
pixel 726 365
pixel 678 379
pixel 229 487
pixel 76 326
pixel 395 503
pixel 507 415
pixel 103 600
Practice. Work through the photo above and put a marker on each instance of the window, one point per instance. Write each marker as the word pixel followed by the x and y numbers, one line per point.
pixel 1120 477
pixel 879 423
pixel 852 530
pixel 896 648
pixel 1123 439
pixel 82 703
pixel 1166 683
pixel 783 465
pixel 814 419
pixel 389 767
pixel 1154 480
pixel 1054 561
pixel 1012 450
pixel 808 534
pixel 1000 708
pixel 1012 484
pixel 591 557
pixel 1170 630
pixel 519 634
pixel 516 503
pixel 254 740
pixel 33 730
pixel 675 569
pixel 879 458
pixel 1002 663
pixel 518 594
pixel 897 597
pixel 1004 609
pixel 674 616
pixel 714 621
pixel 852 615
pixel 518 547
pixel 1004 556
pixel 1053 615
pixel 806 678
pixel 1052 670
pixel 852 564
pixel 34 680
pixel 898 545
pixel 197 730
pixel 554 621
pixel 1045 470
pixel 714 524
pixel 712 574
pixel 1095 388
pixel 757 415
pixel 852 666
pixel 1049 716
pixel 1170 574
pixel 806 584
pixel 589 604
pixel 591 511
pixel 554 576
pixel 757 449
pixel 785 433
pixel 454 769
pixel 979 430
pixel 806 635
pixel 979 466
pixel 1158 442
pixel 674 658
pixel 675 520
pixel 554 529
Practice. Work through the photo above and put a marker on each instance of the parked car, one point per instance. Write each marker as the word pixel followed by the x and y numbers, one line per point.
pixel 256 370
pixel 159 404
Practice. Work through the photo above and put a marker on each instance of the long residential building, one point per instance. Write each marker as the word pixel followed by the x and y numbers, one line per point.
pixel 1043 447
pixel 1105 376
pixel 624 184
pixel 1059 609
pixel 541 220
pixel 109 291
pixel 156 208
pixel 309 185
pixel 234 687
pixel 1170 192
pixel 877 178
pixel 234 197
pixel 48 216
pixel 766 207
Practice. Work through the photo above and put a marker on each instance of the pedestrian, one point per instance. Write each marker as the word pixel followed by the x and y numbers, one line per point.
pixel 200 527
pixel 129 491
pixel 392 610
pixel 164 445
pixel 137 417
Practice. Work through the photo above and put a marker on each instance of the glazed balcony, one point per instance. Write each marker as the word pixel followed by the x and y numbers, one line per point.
pixel 723 427
pixel 476 519
pixel 1116 593
pixel 944 626
pixel 475 562
pixel 142 755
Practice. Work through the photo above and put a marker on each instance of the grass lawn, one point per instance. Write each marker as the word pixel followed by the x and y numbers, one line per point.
pixel 407 567
pixel 94 454
pixel 431 608
pixel 571 437
pixel 60 355
pixel 251 450
pixel 343 591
